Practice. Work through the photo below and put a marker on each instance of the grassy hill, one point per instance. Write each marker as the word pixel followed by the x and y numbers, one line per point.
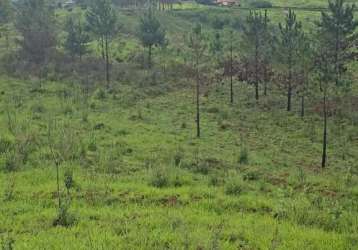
pixel 134 175
pixel 141 180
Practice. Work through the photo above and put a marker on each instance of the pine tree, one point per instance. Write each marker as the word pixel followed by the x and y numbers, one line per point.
pixel 5 17
pixel 150 33
pixel 305 69
pixel 336 38
pixel 268 48
pixel 197 46
pixel 338 28
pixel 102 21
pixel 254 40
pixel 77 38
pixel 289 43
pixel 35 21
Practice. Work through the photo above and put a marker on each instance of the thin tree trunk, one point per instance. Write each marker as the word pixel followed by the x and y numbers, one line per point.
pixel 101 41
pixel 107 63
pixel 289 97
pixel 150 56
pixel 231 72
pixel 336 66
pixel 197 98
pixel 302 106
pixel 58 184
pixel 265 77
pixel 289 87
pixel 325 132
pixel 256 75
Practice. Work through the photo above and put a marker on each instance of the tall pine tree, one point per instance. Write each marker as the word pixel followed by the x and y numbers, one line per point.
pixel 336 40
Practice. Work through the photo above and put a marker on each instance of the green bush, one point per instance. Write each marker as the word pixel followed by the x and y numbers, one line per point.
pixel 261 4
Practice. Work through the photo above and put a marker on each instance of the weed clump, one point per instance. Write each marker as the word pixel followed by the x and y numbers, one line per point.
pixel 64 217
pixel 160 178
pixel 100 94
pixel 244 156
pixel 7 243
pixel 5 145
pixel 234 186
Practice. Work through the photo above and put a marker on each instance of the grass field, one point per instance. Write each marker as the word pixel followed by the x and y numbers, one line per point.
pixel 138 178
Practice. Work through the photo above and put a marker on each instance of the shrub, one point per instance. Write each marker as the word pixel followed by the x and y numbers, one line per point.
pixel 251 176
pixel 64 217
pixel 160 178
pixel 68 179
pixel 7 243
pixel 224 124
pixel 100 94
pixel 244 156
pixel 38 108
pixel 261 4
pixel 6 144
pixel 234 186
pixel 67 110
pixel 178 156
pixel 213 110
pixel 11 161
pixel 9 190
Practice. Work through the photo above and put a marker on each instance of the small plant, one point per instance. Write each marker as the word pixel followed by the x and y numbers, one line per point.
pixel 160 178
pixel 67 110
pixel 9 190
pixel 301 176
pixel 244 156
pixel 92 145
pixel 224 124
pixel 7 243
pixel 234 186
pixel 203 167
pixel 178 157
pixel 100 94
pixel 68 180
pixel 5 145
pixel 38 108
pixel 11 161
pixel 251 176
pixel 214 180
pixel 64 217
